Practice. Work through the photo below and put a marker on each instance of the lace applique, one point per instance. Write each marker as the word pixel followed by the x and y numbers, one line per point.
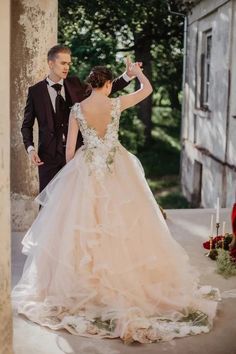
pixel 100 152
pixel 136 326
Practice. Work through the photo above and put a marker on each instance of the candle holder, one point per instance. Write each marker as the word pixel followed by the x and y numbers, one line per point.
pixel 211 244
pixel 223 242
pixel 217 228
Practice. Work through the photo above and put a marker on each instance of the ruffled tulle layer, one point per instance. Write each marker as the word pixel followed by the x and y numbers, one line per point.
pixel 101 260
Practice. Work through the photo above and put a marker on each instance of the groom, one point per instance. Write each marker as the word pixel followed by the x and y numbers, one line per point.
pixel 49 101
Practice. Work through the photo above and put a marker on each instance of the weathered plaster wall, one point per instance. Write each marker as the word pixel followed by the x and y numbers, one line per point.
pixel 5 285
pixel 34 31
pixel 211 176
pixel 204 8
pixel 231 149
pixel 212 131
pixel 211 127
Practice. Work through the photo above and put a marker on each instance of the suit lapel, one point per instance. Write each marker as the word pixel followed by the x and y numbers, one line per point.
pixel 47 105
pixel 69 93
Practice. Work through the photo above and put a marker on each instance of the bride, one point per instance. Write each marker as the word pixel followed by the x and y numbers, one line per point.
pixel 101 260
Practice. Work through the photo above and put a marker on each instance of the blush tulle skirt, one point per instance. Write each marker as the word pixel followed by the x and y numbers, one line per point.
pixel 102 262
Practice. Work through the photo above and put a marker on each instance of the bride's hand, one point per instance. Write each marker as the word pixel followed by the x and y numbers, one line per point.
pixel 129 67
pixel 135 69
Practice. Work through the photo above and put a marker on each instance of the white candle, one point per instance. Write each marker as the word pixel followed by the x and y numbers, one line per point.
pixel 223 228
pixel 218 211
pixel 212 219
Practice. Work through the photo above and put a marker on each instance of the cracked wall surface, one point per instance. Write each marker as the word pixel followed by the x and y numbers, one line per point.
pixel 208 134
pixel 34 31
pixel 5 285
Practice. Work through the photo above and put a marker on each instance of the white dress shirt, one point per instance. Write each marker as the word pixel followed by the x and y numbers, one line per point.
pixel 53 94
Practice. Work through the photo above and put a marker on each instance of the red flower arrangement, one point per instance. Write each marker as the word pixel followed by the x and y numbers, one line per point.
pixel 215 242
pixel 229 240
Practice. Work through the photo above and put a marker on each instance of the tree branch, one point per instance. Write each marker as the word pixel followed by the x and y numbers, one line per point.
pixel 125 49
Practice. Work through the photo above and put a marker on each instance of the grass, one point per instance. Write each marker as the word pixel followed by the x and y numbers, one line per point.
pixel 161 159
pixel 167 192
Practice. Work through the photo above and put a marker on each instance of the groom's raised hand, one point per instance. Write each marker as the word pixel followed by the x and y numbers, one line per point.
pixel 129 66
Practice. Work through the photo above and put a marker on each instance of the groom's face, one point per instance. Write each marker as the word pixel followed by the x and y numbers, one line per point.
pixel 60 65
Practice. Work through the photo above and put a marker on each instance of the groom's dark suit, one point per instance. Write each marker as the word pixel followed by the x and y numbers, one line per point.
pixel 39 106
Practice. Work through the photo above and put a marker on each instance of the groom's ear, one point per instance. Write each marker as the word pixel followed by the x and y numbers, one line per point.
pixel 50 63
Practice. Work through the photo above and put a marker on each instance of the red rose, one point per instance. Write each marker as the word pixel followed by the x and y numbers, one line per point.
pixel 233 254
pixel 233 218
pixel 214 242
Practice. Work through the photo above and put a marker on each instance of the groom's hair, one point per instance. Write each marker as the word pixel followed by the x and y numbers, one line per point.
pixel 52 53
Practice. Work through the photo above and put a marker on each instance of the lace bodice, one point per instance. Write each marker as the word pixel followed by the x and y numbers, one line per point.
pixel 99 152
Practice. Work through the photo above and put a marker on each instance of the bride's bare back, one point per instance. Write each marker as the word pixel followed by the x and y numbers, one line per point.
pixel 96 110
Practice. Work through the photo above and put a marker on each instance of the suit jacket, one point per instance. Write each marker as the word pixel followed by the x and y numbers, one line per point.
pixel 39 106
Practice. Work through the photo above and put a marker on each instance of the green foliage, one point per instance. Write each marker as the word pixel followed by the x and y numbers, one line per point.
pixel 167 192
pixel 161 156
pixel 103 32
pixel 132 131
pixel 173 200
pixel 225 265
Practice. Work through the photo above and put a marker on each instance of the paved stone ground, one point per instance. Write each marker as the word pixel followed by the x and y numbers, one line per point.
pixel 190 228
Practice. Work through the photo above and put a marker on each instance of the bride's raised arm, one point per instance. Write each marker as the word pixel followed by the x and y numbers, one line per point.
pixel 145 89
pixel 73 130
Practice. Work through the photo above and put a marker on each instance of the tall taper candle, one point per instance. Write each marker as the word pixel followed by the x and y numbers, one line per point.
pixel 212 219
pixel 223 236
pixel 223 229
pixel 218 210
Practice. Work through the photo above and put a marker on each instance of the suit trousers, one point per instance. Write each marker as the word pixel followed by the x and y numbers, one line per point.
pixel 50 168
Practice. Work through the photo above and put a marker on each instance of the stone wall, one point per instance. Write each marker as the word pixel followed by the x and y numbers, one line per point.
pixel 34 31
pixel 5 285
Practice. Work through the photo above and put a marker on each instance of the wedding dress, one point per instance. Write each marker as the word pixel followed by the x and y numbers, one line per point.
pixel 101 260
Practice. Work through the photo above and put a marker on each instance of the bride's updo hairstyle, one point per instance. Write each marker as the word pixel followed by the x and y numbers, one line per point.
pixel 98 76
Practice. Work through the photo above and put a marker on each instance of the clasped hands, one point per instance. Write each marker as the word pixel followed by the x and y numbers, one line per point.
pixel 132 69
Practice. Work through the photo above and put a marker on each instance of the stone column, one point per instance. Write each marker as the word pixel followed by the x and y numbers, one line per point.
pixel 33 32
pixel 5 284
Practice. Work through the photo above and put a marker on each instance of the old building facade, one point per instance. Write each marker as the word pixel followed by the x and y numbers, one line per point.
pixel 208 163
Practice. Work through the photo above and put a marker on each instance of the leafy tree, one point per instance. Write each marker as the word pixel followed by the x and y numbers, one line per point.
pixel 103 31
